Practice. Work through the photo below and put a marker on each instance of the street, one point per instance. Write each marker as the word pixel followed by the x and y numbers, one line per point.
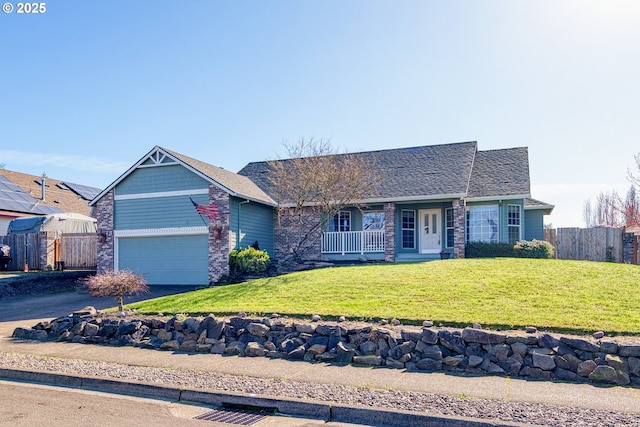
pixel 29 405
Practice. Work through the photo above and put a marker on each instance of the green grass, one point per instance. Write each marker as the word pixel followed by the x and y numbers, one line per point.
pixel 501 293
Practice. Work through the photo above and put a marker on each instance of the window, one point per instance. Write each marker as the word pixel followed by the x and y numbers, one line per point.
pixel 341 222
pixel 373 220
pixel 408 229
pixel 482 224
pixel 513 223
pixel 449 225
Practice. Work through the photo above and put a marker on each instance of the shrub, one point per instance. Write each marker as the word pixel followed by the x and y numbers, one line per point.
pixel 489 250
pixel 534 249
pixel 115 284
pixel 249 261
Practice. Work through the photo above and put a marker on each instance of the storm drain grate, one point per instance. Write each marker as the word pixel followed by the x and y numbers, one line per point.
pixel 233 416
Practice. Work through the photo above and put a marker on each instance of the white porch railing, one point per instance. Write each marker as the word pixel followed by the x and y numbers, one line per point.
pixel 352 242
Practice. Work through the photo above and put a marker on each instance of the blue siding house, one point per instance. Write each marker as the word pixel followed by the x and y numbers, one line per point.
pixel 156 218
pixel 148 221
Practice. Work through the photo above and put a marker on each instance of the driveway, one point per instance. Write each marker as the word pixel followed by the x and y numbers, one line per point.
pixel 64 303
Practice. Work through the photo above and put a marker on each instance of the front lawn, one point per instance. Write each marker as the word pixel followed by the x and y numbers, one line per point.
pixel 564 296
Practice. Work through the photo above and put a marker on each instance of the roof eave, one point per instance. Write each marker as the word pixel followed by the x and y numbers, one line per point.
pixel 547 209
pixel 451 196
pixel 497 197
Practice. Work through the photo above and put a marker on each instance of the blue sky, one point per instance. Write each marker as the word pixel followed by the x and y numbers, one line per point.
pixel 89 87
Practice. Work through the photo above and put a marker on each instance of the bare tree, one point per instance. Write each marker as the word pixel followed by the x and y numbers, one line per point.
pixel 588 214
pixel 633 178
pixel 631 208
pixel 115 284
pixel 313 185
pixel 608 209
pixel 611 210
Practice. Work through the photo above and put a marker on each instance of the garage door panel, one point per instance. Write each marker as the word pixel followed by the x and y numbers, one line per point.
pixel 167 260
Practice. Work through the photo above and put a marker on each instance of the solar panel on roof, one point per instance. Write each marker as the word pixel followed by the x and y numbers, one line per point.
pixel 88 193
pixel 12 198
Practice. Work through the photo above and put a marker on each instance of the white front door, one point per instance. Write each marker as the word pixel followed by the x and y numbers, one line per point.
pixel 430 233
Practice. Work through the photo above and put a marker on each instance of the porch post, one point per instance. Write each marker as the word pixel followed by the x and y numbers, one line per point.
pixel 390 232
pixel 459 228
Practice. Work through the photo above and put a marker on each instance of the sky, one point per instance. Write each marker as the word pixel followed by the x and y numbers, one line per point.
pixel 89 87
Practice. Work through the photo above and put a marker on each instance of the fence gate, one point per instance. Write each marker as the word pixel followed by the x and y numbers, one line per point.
pixel 25 250
pixel 78 250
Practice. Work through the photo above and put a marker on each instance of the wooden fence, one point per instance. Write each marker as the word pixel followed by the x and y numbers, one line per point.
pixel 25 250
pixel 78 250
pixel 593 244
pixel 41 251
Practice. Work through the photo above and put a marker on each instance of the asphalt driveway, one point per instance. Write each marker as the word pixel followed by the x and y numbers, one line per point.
pixel 64 303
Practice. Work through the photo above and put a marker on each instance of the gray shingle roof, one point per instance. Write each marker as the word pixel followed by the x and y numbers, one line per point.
pixel 429 172
pixel 499 173
pixel 531 204
pixel 416 172
pixel 236 184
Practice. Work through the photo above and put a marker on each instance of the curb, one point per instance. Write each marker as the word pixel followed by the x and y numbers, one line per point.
pixel 326 411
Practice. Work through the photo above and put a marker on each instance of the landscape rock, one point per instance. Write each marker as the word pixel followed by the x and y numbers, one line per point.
pixel 586 368
pixel 344 354
pixel 454 341
pixel 580 344
pixel 475 361
pixel 603 374
pixel 479 336
pixel 475 351
pixel 368 360
pixel 254 349
pixel 429 336
pixel 629 350
pixel 235 348
pixel 172 345
pixel 543 361
pixel 297 353
pixel 634 366
pixel 258 329
pixel 427 364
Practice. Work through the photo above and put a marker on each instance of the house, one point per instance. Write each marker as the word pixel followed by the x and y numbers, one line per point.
pixel 23 195
pixel 431 199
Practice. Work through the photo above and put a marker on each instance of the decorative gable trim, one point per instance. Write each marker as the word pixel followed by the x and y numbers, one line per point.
pixel 155 158
pixel 158 158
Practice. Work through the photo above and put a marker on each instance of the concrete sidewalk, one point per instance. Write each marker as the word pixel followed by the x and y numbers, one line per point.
pixel 616 399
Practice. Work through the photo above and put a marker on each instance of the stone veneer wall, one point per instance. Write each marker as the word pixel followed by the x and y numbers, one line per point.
pixel 105 245
pixel 459 228
pixel 219 234
pixel 47 250
pixel 287 228
pixel 390 232
pixel 531 354
pixel 629 246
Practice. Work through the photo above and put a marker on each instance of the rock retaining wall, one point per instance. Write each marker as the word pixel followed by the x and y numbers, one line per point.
pixel 476 351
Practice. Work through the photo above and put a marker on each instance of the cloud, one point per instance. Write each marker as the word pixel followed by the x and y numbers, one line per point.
pixel 69 161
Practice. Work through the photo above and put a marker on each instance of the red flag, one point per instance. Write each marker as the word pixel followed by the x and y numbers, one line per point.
pixel 210 211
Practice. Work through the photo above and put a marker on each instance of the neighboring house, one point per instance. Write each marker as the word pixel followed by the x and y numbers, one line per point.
pixel 24 195
pixel 432 199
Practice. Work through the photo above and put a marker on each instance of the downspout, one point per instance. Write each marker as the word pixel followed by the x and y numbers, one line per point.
pixel 239 226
